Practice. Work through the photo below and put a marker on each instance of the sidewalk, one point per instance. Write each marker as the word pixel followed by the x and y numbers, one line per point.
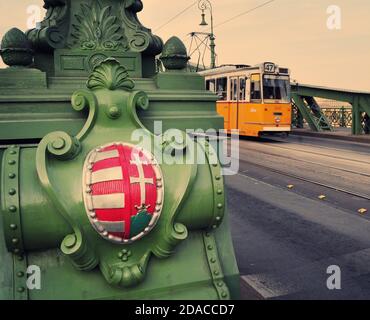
pixel 338 134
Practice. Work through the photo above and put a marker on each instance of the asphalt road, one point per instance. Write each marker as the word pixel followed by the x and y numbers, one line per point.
pixel 286 238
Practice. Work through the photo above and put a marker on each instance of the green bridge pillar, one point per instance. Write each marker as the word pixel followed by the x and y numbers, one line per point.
pixel 356 117
pixel 91 195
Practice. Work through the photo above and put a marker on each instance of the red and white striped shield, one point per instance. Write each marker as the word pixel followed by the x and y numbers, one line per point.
pixel 123 191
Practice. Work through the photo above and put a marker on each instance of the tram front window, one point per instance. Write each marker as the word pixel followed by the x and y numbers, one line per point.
pixel 276 88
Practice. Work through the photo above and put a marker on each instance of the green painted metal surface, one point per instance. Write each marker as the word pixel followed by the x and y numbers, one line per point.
pixel 360 102
pixel 83 82
pixel 312 113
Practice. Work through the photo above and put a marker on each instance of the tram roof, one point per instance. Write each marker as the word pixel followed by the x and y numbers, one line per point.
pixel 227 69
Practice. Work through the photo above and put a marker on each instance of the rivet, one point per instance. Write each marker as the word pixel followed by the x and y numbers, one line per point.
pixel 219 191
pixel 11 162
pixel 209 247
pixel 16 250
pixel 120 255
pixel 13 146
pixel 213 260
pixel 124 251
pixel 12 208
pixel 218 218
pixel 208 234
pixel 129 253
pixel 124 258
pixel 215 165
pixel 12 192
pixel 15 240
pixel 218 178
pixel 13 226
pixel 223 294
pixel 20 274
pixel 11 175
pixel 20 289
pixel 20 258
pixel 220 284
pixel 216 272
pixel 214 226
pixel 13 152
pixel 220 206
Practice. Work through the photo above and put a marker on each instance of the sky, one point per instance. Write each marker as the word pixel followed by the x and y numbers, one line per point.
pixel 291 33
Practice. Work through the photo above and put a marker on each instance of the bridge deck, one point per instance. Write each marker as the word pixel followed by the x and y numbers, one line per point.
pixel 286 238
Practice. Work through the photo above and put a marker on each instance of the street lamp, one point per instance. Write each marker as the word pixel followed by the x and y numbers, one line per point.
pixel 204 5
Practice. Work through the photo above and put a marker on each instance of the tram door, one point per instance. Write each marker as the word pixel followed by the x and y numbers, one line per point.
pixel 234 103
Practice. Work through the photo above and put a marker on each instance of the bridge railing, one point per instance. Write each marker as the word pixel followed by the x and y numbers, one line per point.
pixel 339 117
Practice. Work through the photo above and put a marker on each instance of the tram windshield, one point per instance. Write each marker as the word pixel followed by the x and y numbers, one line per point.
pixel 276 88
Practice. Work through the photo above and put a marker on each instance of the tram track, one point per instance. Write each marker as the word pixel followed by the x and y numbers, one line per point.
pixel 294 176
pixel 308 162
pixel 318 153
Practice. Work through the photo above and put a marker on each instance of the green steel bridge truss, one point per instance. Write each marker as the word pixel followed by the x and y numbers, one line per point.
pixel 306 108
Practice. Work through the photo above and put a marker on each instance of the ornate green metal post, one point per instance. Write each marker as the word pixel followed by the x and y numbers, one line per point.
pixel 343 117
pixel 91 193
pixel 356 117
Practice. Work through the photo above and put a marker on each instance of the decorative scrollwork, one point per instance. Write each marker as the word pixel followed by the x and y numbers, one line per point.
pixel 97 28
pixel 204 5
pixel 140 38
pixel 62 146
pixel 123 275
pixel 139 41
pixel 51 34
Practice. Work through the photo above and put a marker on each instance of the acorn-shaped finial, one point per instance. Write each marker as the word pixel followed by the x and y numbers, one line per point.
pixel 16 49
pixel 174 55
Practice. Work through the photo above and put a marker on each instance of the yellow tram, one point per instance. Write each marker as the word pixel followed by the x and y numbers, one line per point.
pixel 254 100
